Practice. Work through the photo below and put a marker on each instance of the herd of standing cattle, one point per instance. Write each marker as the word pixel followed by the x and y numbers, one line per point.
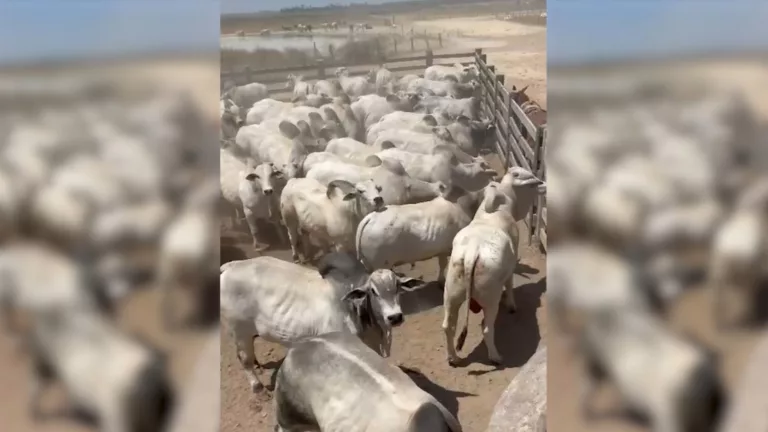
pixel 359 175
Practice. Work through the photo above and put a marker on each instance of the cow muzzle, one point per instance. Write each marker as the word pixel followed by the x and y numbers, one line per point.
pixel 267 192
pixel 395 319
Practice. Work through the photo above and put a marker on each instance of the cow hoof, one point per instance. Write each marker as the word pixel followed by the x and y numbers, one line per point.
pixel 453 362
pixel 257 387
pixel 496 361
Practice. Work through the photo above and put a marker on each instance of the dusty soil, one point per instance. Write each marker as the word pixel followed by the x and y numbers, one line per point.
pixel 140 313
pixel 471 390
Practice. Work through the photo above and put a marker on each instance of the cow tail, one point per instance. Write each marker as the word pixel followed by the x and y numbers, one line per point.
pixel 470 289
pixel 359 239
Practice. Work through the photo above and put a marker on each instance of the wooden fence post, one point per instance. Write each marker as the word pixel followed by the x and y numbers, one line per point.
pixel 505 133
pixel 247 74
pixel 537 166
pixel 320 68
pixel 314 49
pixel 429 57
pixel 412 48
pixel 394 42
pixel 440 39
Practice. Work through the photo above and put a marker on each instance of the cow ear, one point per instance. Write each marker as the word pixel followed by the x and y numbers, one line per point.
pixel 349 196
pixel 251 177
pixel 411 284
pixel 358 298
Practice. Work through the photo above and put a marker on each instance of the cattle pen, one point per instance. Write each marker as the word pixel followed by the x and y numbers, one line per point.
pixel 519 141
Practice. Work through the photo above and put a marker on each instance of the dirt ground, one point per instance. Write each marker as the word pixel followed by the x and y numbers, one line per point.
pixel 140 313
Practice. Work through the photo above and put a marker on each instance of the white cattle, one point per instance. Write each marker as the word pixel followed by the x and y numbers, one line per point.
pixel 442 88
pixel 399 187
pixel 469 107
pixel 120 381
pixel 132 224
pixel 659 374
pixel 469 136
pixel 266 109
pixel 328 88
pixel 340 112
pixel 64 285
pixel 383 79
pixel 189 250
pixel 246 95
pixel 584 278
pixel 230 117
pixel 409 233
pixel 403 82
pixel 739 248
pixel 457 72
pixel 424 143
pixel 376 396
pixel 299 87
pixel 285 150
pixel 369 109
pixel 283 302
pixel 326 215
pixel 442 167
pixel 410 121
pixel 354 87
pixel 482 263
pixel 350 148
pixel 319 157
pixel 259 190
pixel 231 171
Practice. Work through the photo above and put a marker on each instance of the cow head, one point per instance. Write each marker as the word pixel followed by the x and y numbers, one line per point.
pixel 371 192
pixel 265 178
pixel 376 304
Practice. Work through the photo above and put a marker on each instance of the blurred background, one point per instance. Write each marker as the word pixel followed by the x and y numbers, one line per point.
pixel 108 185
pixel 657 219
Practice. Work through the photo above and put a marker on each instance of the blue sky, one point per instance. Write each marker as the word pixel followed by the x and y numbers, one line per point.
pixel 577 29
pixel 59 29
pixel 597 29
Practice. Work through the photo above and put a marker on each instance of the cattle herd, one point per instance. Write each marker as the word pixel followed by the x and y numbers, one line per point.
pixel 361 174
pixel 651 195
pixel 102 195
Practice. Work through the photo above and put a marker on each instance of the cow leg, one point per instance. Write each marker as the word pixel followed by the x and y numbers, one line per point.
pixel 167 284
pixel 293 237
pixel 490 311
pixel 442 263
pixel 453 297
pixel 281 232
pixel 243 334
pixel 41 374
pixel 593 375
pixel 509 296
pixel 250 218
